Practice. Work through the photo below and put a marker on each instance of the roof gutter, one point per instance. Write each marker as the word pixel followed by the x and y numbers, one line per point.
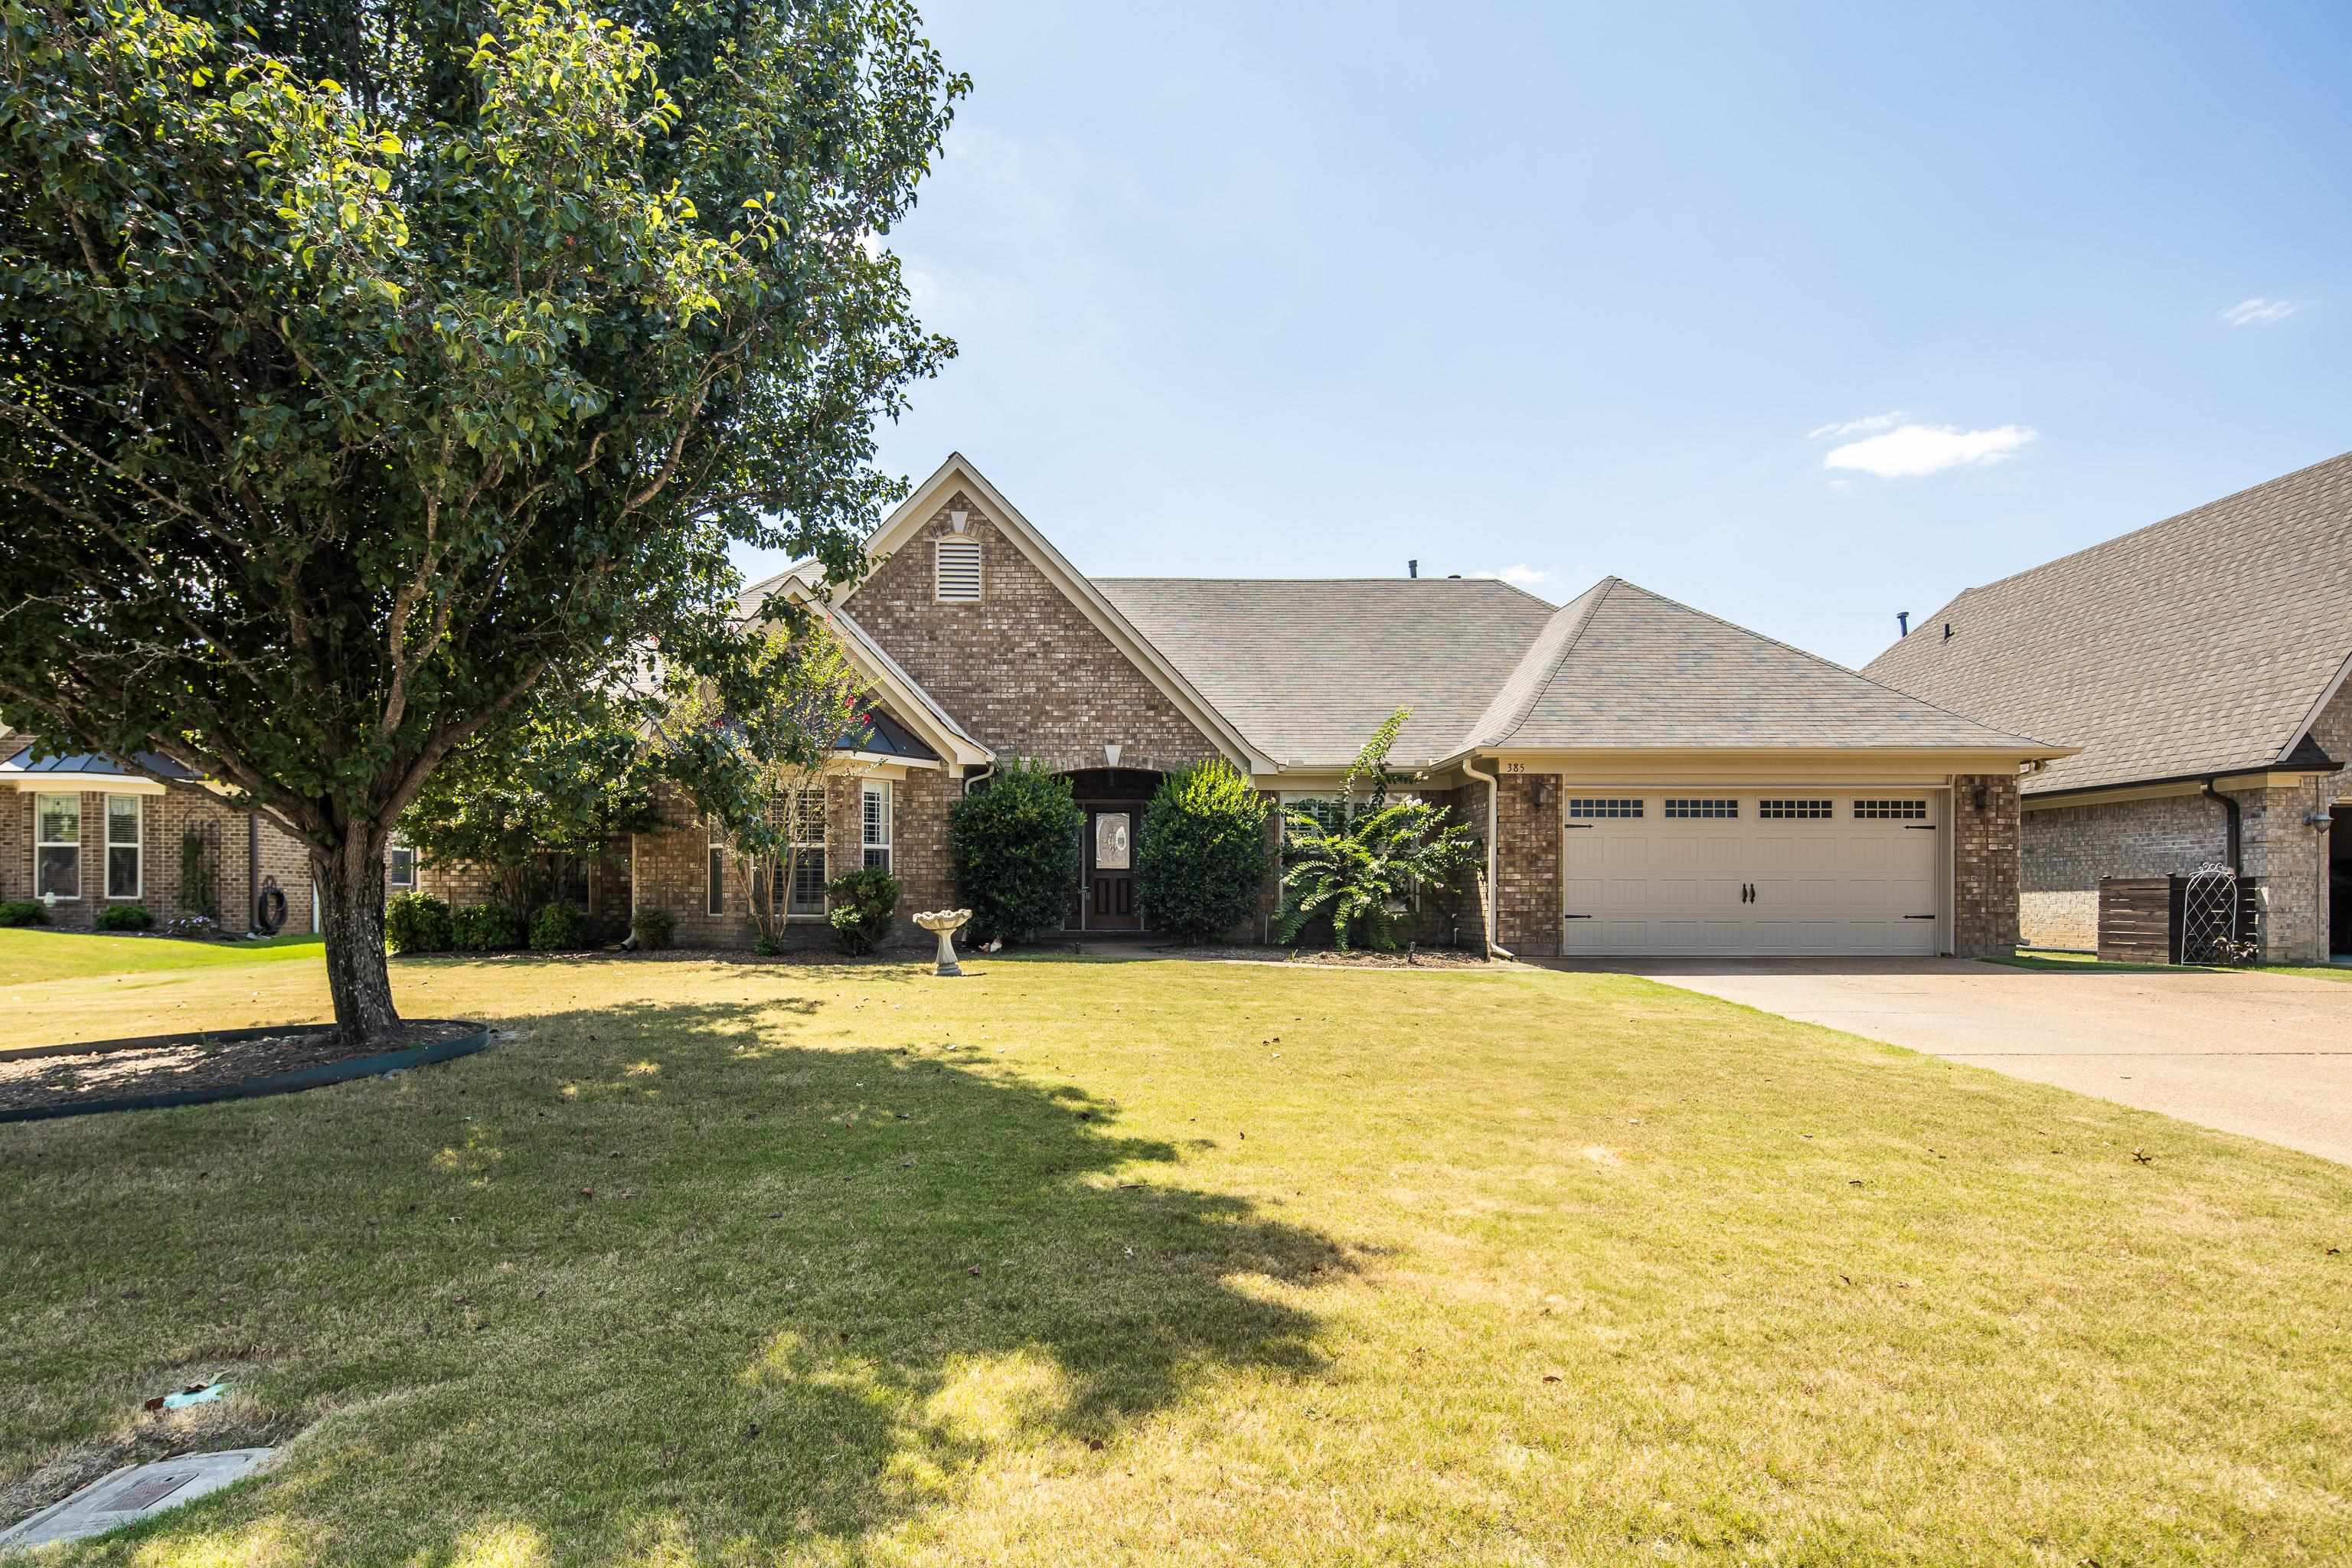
pixel 2205 778
pixel 1486 900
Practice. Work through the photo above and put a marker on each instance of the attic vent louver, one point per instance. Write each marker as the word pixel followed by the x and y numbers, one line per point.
pixel 957 575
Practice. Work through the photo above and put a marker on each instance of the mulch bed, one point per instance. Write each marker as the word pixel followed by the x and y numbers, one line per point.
pixel 1425 958
pixel 196 1062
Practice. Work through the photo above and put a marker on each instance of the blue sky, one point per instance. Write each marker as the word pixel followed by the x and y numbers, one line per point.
pixel 1800 314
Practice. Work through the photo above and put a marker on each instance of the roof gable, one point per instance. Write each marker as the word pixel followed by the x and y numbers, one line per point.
pixel 1623 668
pixel 2203 644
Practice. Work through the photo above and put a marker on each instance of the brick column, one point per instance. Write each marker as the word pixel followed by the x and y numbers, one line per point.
pixel 1984 866
pixel 1528 892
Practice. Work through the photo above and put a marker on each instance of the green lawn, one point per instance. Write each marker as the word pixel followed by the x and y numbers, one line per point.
pixel 2085 963
pixel 1080 1262
pixel 30 955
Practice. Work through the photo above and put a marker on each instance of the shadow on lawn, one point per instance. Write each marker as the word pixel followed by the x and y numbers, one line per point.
pixel 812 1289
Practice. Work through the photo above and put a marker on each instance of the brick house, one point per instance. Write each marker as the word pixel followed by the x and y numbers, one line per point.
pixel 1648 778
pixel 82 833
pixel 2199 664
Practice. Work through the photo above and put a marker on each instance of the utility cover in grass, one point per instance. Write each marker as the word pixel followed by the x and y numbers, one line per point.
pixel 133 1493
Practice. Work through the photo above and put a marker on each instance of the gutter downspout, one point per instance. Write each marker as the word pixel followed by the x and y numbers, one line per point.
pixel 252 873
pixel 1470 769
pixel 971 779
pixel 2236 828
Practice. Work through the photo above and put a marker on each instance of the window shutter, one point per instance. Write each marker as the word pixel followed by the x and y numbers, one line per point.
pixel 958 571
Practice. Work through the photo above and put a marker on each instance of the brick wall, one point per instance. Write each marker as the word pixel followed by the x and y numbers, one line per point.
pixel 164 820
pixel 1022 670
pixel 1984 865
pixel 2067 849
pixel 669 866
pixel 1529 895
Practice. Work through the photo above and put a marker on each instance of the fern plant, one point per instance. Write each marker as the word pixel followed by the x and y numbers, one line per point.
pixel 1355 869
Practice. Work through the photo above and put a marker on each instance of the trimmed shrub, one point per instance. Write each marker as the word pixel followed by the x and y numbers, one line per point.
pixel 654 928
pixel 125 917
pixel 1204 855
pixel 1013 844
pixel 485 928
pixel 559 927
pixel 197 895
pixel 416 922
pixel 864 902
pixel 23 912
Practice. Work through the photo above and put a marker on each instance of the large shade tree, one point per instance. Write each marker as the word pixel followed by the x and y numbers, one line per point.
pixel 363 366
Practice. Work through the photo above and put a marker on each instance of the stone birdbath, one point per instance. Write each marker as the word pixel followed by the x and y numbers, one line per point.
pixel 946 923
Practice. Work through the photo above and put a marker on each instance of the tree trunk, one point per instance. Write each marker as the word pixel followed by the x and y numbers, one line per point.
pixel 351 895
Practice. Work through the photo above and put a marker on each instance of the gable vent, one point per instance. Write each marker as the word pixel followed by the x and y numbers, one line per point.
pixel 957 575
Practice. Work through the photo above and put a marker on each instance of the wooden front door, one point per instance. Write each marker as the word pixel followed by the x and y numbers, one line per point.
pixel 1110 867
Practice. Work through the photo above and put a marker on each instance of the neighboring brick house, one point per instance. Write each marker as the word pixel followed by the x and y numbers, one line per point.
pixel 80 833
pixel 2199 663
pixel 1648 778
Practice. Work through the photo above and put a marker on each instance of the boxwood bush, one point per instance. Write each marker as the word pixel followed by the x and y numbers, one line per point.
pixel 1203 857
pixel 23 912
pixel 485 928
pixel 559 927
pixel 125 917
pixel 654 928
pixel 1013 844
pixel 864 903
pixel 416 922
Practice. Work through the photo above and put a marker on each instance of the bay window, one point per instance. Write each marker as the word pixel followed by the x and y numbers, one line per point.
pixel 874 824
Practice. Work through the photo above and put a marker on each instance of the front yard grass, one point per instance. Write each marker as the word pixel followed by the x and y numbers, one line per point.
pixel 30 955
pixel 1166 1262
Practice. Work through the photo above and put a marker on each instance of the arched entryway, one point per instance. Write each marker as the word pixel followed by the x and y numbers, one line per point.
pixel 1104 901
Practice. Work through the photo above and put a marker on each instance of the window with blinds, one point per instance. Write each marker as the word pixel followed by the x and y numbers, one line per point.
pixel 956 572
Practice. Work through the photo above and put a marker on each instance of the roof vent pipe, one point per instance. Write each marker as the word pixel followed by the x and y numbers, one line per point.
pixel 1902 623
pixel 1412 568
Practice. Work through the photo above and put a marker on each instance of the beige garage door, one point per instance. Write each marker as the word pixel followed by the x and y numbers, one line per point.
pixel 1752 871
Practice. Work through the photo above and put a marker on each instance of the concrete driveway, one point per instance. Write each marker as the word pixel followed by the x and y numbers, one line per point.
pixel 2267 1054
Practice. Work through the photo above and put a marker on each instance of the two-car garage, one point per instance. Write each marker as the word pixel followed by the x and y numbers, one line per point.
pixel 1722 871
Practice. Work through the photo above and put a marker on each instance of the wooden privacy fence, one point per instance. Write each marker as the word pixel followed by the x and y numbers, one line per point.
pixel 2141 918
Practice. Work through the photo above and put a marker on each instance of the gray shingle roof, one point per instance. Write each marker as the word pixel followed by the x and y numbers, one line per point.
pixel 1308 668
pixel 1622 667
pixel 2196 645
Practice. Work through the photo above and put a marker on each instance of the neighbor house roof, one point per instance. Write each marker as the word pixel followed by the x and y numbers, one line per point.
pixel 1620 666
pixel 90 764
pixel 2204 644
pixel 1308 668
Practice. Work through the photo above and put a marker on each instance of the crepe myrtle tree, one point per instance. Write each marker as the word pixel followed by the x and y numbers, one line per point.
pixel 363 368
pixel 748 738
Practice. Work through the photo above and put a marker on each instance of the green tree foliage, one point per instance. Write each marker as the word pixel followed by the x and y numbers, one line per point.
pixel 1360 872
pixel 1204 854
pixel 1012 846
pixel 576 773
pixel 751 740
pixel 368 367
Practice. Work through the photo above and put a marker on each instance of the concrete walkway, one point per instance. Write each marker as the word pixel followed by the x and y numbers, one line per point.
pixel 2267 1054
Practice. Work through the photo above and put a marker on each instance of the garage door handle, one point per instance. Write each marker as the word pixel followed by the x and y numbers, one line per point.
pixel 1918 917
pixel 1576 917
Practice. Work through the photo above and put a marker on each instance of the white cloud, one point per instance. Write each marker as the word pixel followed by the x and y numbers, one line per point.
pixel 1867 424
pixel 1519 576
pixel 1910 450
pixel 2257 310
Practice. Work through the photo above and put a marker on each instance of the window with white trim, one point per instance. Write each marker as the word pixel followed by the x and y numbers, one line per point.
pixel 714 871
pixel 1603 806
pixel 874 824
pixel 56 846
pixel 122 847
pixel 1678 805
pixel 955 571
pixel 400 867
pixel 1890 810
pixel 806 896
pixel 1329 813
pixel 1811 810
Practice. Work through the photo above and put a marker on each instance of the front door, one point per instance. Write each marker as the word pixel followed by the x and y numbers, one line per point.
pixel 1110 869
